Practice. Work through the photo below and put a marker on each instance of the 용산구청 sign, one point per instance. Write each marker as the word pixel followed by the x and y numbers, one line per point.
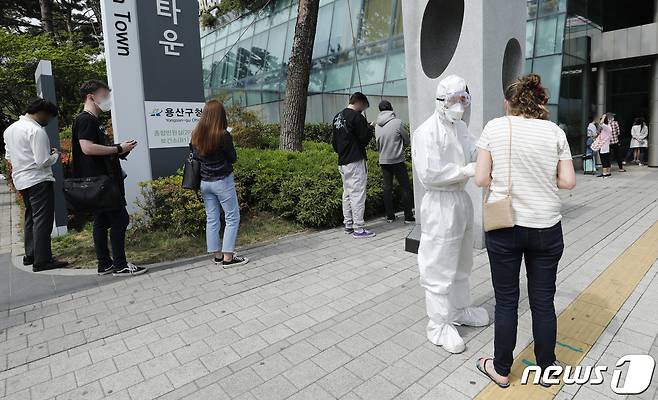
pixel 170 124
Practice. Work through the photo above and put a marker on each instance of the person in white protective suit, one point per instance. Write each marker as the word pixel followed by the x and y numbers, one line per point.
pixel 443 156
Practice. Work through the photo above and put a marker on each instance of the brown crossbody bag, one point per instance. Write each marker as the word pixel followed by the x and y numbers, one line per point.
pixel 499 214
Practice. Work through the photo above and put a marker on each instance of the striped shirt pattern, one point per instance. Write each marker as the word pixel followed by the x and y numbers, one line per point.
pixel 537 146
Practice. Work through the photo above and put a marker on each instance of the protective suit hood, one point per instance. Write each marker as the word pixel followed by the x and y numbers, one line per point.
pixel 450 85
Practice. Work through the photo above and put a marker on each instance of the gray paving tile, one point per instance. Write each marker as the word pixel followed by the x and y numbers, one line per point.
pixel 304 374
pixel 151 388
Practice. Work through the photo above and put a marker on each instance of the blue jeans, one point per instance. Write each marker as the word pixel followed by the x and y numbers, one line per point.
pixel 542 250
pixel 220 195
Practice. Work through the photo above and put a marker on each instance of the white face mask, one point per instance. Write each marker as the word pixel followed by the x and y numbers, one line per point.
pixel 105 104
pixel 455 112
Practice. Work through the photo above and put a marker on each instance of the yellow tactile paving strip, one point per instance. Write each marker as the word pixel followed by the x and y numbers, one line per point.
pixel 583 321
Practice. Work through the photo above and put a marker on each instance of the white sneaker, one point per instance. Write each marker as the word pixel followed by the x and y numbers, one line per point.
pixel 472 316
pixel 446 336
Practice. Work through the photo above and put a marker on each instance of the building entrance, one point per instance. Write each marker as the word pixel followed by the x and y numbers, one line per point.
pixel 628 96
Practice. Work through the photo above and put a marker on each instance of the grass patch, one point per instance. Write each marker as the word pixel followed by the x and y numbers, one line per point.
pixel 157 246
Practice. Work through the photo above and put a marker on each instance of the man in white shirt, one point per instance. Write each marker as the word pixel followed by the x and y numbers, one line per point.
pixel 28 151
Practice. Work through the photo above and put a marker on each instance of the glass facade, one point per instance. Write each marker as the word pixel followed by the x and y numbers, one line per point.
pixel 358 46
pixel 544 39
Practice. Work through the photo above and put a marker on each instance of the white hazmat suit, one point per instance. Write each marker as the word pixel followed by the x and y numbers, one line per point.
pixel 443 156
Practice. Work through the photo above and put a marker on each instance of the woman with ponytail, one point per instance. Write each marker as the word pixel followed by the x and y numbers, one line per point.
pixel 526 157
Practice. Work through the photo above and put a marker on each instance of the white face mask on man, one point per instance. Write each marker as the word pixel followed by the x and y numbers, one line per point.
pixel 104 104
pixel 455 112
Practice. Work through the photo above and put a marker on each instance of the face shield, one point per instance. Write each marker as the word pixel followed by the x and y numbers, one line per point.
pixel 455 105
pixel 461 97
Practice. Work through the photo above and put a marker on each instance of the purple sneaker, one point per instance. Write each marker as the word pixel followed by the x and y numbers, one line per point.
pixel 363 234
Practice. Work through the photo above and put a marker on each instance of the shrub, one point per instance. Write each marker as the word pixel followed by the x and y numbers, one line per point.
pixel 304 187
pixel 266 136
pixel 65 133
pixel 256 136
pixel 318 132
pixel 166 205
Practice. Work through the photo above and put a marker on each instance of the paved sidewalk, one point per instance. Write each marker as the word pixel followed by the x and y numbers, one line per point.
pixel 20 286
pixel 318 316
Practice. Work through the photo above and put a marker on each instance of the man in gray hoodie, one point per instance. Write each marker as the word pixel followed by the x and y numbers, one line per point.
pixel 391 138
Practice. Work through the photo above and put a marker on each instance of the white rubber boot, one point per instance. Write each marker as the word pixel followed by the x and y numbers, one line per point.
pixel 472 316
pixel 446 336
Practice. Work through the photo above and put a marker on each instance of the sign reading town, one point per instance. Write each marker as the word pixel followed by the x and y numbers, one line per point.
pixel 153 54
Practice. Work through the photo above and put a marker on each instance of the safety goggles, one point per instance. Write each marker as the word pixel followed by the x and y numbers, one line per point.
pixel 456 98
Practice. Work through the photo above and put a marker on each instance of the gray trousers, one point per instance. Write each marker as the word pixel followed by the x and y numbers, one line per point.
pixel 39 216
pixel 355 180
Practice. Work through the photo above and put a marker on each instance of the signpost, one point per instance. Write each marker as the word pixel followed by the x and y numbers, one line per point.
pixel 170 47
pixel 153 55
pixel 43 77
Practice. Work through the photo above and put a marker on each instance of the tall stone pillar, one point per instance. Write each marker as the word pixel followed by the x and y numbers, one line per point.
pixel 601 86
pixel 481 41
pixel 45 82
pixel 653 117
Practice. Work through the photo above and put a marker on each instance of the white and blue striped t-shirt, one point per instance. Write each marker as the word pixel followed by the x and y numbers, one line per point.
pixel 537 146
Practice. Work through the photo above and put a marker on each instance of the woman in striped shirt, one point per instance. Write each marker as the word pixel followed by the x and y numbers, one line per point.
pixel 533 168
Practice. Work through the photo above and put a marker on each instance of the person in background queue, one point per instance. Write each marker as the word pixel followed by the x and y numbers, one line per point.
pixel 31 157
pixel 392 136
pixel 615 145
pixel 351 136
pixel 212 146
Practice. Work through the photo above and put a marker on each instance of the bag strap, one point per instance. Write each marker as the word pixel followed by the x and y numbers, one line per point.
pixel 509 168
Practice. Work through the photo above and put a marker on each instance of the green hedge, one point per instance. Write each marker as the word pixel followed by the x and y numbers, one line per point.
pixel 304 187
pixel 266 136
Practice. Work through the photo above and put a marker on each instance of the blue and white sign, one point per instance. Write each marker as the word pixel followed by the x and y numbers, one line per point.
pixel 169 123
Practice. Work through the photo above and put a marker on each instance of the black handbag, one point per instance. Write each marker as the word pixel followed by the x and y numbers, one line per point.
pixel 94 193
pixel 191 172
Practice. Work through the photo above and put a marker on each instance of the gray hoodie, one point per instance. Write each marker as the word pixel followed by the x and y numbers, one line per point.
pixel 391 138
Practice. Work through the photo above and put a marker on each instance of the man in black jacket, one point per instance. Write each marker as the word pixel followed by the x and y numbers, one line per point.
pixel 95 155
pixel 351 135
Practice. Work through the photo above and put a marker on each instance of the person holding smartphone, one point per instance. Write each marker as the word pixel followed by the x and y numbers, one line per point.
pixel 94 154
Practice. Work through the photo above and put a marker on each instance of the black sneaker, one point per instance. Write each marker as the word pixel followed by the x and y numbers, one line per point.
pixel 349 231
pixel 391 220
pixel 235 262
pixel 52 264
pixel 105 270
pixel 411 220
pixel 129 270
pixel 28 260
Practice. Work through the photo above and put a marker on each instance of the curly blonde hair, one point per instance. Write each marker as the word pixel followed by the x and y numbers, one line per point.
pixel 527 97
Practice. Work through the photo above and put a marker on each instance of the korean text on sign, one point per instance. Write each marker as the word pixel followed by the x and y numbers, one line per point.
pixel 169 9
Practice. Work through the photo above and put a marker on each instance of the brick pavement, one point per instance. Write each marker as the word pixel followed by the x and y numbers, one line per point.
pixel 316 316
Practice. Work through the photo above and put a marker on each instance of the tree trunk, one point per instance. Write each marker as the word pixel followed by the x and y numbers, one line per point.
pixel 47 15
pixel 299 70
pixel 95 6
